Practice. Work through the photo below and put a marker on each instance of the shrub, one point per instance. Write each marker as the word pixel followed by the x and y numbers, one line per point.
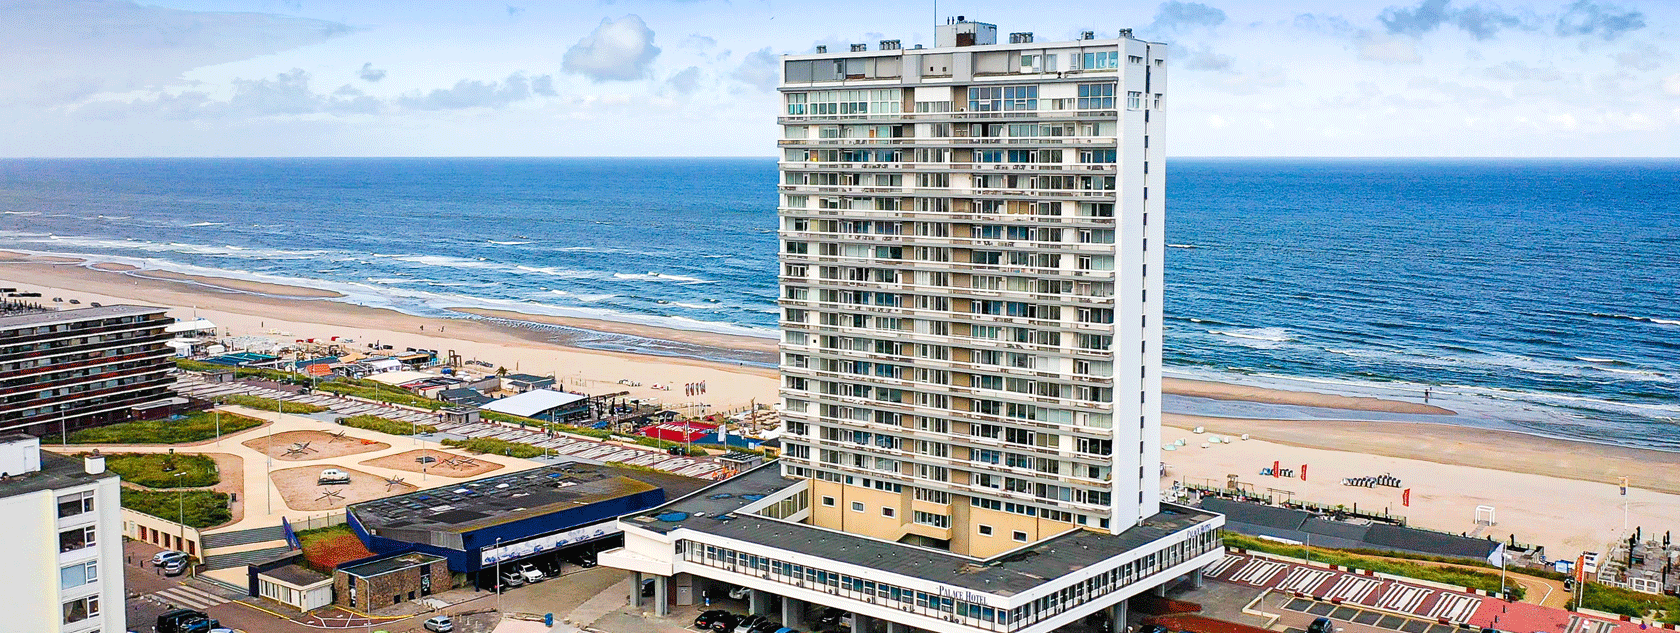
pixel 148 469
pixel 195 427
pixel 496 447
pixel 195 508
pixel 374 390
pixel 1629 603
pixel 385 425
pixel 268 404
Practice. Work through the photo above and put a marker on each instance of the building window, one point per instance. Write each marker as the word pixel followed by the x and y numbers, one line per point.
pixel 1101 60
pixel 1134 100
pixel 78 574
pixel 985 530
pixel 1096 97
pixel 888 512
pixel 857 506
pixel 72 540
pixel 81 609
pixel 1020 537
pixel 935 520
pixel 74 504
pixel 828 501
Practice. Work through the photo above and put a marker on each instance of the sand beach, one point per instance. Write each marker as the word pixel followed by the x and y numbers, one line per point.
pixel 1557 493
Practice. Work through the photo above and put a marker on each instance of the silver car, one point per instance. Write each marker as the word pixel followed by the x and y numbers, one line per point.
pixel 440 624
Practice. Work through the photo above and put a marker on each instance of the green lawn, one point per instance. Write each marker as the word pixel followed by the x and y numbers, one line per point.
pixel 268 404
pixel 1486 581
pixel 195 508
pixel 148 469
pixel 191 428
pixel 243 372
pixel 385 425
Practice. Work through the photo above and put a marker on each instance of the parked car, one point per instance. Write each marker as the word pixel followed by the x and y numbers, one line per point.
pixel 163 557
pixel 175 567
pixel 740 593
pixel 549 567
pixel 530 574
pixel 512 579
pixel 1322 625
pixel 832 617
pixel 440 624
pixel 748 622
pixel 332 476
pixel 75 302
pixel 725 623
pixel 766 625
pixel 1154 628
pixel 185 621
pixel 582 559
pixel 647 588
pixel 705 620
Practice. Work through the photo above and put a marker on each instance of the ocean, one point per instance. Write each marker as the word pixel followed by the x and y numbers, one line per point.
pixel 1536 295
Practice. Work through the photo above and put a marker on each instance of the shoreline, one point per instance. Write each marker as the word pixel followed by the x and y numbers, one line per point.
pixel 1456 468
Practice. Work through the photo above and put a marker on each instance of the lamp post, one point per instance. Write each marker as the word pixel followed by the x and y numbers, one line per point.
pixel 498 579
pixel 181 508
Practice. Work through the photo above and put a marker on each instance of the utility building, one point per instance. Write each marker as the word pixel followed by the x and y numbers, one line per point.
pixel 971 283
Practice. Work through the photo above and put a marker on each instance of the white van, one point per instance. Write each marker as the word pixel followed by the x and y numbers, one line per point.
pixel 332 476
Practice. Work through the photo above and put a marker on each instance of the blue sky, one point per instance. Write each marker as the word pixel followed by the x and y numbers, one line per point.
pixel 695 77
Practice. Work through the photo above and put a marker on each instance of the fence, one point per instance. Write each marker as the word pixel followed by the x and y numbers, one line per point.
pixel 317 522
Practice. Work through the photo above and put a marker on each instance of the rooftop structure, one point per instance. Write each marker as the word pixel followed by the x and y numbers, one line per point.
pixel 540 403
pixel 62 528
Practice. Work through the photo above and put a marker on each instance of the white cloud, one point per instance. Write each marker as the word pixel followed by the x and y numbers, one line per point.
pixel 1217 122
pixel 1671 84
pixel 1566 121
pixel 370 74
pixel 761 69
pixel 618 50
pixel 59 52
pixel 468 93
pixel 1386 48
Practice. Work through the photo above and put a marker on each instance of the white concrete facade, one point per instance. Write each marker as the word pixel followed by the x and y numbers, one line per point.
pixel 62 582
pixel 972 277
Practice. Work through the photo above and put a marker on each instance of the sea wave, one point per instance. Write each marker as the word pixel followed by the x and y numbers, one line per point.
pixel 498 243
pixel 207 224
pixel 1269 334
pixel 1643 319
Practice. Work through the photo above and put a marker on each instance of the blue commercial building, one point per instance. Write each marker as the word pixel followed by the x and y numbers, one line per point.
pixel 542 514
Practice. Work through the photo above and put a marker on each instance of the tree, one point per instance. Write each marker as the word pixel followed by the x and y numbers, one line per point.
pixel 501 371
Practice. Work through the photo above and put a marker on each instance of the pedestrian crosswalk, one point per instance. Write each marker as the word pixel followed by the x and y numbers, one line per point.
pixel 1353 588
pixel 184 596
pixel 1304 579
pixel 1258 572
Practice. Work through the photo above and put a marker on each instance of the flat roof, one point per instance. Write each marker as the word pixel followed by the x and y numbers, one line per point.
pixel 73 316
pixel 297 575
pixel 1300 526
pixel 1004 575
pixel 533 402
pixel 490 501
pixel 57 471
pixel 390 564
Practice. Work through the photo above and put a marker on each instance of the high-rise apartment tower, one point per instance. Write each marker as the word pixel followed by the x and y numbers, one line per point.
pixel 971 285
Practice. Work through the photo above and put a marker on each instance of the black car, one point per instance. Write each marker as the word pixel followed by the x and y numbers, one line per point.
pixel 1322 625
pixel 704 620
pixel 185 621
pixel 647 588
pixel 830 617
pixel 725 623
pixel 765 625
pixel 1154 628
pixel 550 567
pixel 748 622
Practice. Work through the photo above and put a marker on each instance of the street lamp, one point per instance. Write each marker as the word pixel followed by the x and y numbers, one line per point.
pixel 498 578
pixel 181 507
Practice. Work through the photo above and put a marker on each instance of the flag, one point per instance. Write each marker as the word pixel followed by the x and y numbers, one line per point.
pixel 1275 467
pixel 1624 486
pixel 1406 498
pixel 1303 472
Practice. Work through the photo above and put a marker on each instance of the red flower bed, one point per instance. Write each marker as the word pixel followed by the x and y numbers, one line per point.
pixel 325 555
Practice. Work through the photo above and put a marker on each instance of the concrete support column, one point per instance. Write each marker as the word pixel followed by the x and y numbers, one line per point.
pixel 1196 578
pixel 758 603
pixel 897 627
pixel 636 590
pixel 862 623
pixel 661 595
pixel 1117 617
pixel 1161 589
pixel 793 612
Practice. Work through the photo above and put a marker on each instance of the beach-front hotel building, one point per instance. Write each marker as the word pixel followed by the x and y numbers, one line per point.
pixel 971 314
pixel 62 370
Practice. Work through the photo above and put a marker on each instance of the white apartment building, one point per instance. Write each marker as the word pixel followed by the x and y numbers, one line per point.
pixel 63 536
pixel 971 284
